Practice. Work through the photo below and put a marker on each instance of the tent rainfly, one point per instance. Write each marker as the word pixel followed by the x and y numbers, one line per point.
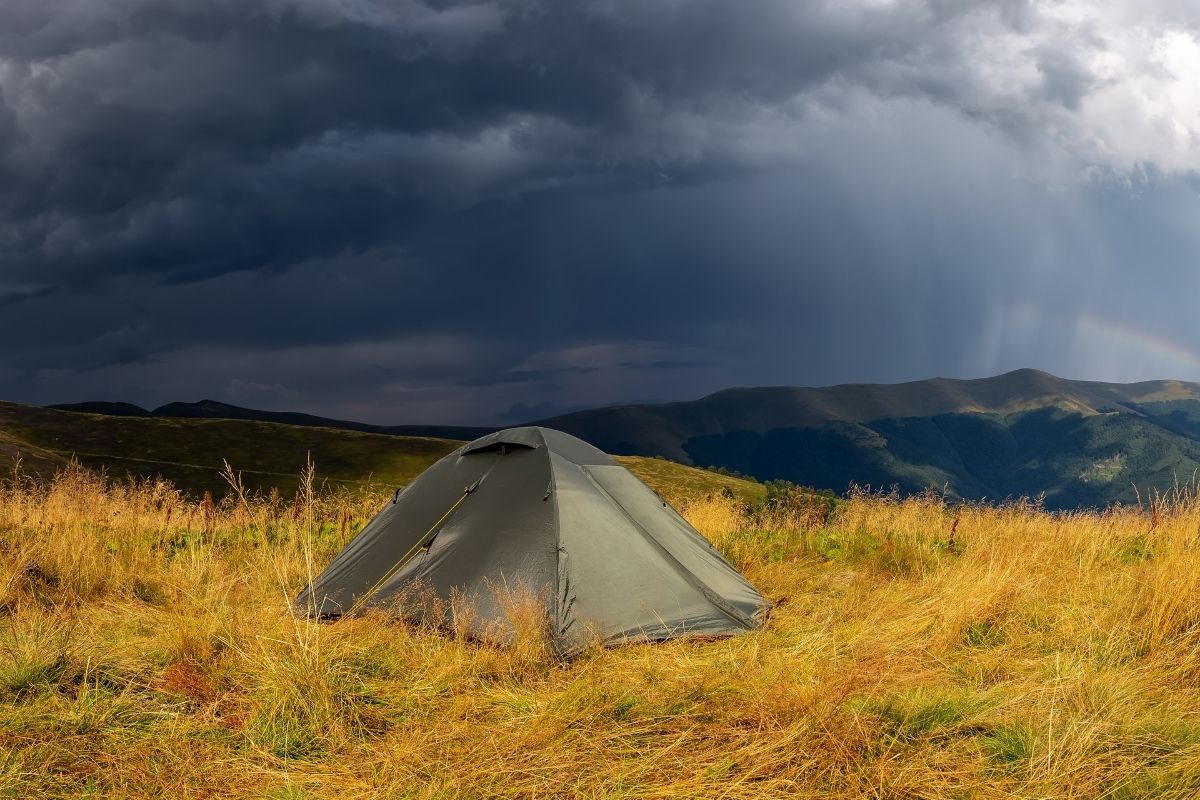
pixel 537 510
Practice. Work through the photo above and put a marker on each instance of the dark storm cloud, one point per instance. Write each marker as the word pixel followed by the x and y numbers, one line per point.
pixel 187 138
pixel 440 210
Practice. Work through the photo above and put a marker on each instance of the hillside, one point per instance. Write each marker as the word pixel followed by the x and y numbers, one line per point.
pixel 190 452
pixel 1023 433
pixel 671 425
pixel 1078 443
pixel 213 409
pixel 677 482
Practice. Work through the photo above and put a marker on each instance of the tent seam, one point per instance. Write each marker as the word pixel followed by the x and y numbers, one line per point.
pixel 560 608
pixel 688 576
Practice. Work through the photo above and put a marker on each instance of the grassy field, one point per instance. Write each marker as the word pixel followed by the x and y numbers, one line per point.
pixel 916 650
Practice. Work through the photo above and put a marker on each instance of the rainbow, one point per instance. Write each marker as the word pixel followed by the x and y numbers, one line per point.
pixel 1148 344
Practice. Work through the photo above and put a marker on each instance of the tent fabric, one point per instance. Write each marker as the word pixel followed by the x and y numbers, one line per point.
pixel 536 513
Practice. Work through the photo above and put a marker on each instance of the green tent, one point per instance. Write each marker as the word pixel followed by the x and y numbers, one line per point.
pixel 535 510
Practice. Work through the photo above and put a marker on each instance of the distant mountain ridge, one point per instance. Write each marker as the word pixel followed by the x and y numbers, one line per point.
pixel 759 410
pixel 214 409
pixel 1022 433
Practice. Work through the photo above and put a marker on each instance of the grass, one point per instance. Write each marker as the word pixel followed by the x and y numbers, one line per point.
pixel 680 483
pixel 917 649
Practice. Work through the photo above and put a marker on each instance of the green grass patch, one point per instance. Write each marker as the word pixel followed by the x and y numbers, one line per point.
pixel 928 712
pixel 1010 744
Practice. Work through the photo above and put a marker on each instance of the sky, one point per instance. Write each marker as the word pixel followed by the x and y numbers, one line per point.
pixel 414 211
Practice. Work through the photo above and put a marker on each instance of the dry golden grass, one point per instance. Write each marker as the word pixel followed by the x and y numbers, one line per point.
pixel 917 650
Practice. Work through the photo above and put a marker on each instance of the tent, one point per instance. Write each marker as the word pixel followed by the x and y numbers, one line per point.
pixel 538 511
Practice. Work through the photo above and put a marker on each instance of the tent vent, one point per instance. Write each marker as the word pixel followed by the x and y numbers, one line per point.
pixel 503 448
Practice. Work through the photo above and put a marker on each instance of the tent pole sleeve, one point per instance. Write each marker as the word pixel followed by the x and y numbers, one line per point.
pixel 367 595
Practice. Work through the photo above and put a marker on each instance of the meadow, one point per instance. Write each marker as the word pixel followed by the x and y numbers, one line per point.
pixel 918 648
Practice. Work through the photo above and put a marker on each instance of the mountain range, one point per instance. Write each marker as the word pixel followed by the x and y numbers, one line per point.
pixel 1024 433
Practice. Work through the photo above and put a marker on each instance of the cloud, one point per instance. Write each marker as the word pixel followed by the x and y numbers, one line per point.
pixel 193 138
pixel 594 201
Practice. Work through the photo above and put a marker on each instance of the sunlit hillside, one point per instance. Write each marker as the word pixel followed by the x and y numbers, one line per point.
pixel 192 453
pixel 916 650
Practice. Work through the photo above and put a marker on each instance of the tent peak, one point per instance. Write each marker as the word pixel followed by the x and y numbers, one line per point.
pixel 534 437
